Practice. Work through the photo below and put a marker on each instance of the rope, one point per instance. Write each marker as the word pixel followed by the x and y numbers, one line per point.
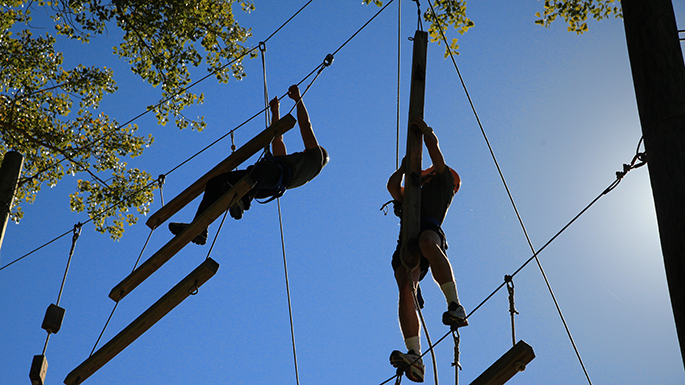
pixel 287 288
pixel 280 219
pixel 399 51
pixel 425 327
pixel 509 193
pixel 76 233
pixel 508 279
pixel 456 364
pixel 419 25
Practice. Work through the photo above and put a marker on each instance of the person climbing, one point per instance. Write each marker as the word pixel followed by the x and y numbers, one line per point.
pixel 439 183
pixel 276 172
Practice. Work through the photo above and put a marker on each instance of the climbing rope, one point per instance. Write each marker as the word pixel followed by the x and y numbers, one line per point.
pixel 399 51
pixel 76 232
pixel 414 286
pixel 509 280
pixel 419 25
pixel 456 363
pixel 280 217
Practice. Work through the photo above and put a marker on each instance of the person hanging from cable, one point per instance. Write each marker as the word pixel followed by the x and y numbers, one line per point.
pixel 276 172
pixel 439 183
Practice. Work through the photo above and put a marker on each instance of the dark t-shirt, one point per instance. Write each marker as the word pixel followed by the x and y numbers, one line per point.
pixel 304 165
pixel 436 196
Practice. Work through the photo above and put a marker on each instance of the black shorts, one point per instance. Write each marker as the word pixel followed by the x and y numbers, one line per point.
pixel 424 265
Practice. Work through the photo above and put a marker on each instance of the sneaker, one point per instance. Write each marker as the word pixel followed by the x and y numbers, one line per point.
pixel 410 362
pixel 455 316
pixel 237 210
pixel 176 229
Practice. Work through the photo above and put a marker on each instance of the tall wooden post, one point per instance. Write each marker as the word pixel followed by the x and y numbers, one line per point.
pixel 659 79
pixel 9 178
pixel 411 208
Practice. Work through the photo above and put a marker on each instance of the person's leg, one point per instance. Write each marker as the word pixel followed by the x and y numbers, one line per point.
pixel 430 244
pixel 411 362
pixel 217 186
pixel 409 321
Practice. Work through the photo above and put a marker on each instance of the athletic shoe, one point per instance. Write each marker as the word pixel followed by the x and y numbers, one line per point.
pixel 176 229
pixel 410 362
pixel 455 316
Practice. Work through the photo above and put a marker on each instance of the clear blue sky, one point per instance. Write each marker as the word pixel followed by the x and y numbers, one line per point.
pixel 559 110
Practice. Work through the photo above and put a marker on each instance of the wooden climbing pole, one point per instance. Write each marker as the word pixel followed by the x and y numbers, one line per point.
pixel 411 207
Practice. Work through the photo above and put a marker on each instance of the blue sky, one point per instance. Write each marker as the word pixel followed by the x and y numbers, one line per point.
pixel 560 113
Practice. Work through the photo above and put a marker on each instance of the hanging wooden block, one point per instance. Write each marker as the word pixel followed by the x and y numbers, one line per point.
pixel 39 367
pixel 53 318
pixel 250 148
pixel 145 321
pixel 512 362
pixel 172 247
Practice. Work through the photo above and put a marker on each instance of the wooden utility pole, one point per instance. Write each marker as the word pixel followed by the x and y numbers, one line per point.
pixel 9 178
pixel 658 71
pixel 411 207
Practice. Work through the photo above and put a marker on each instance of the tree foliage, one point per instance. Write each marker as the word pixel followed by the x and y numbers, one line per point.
pixel 576 12
pixel 50 114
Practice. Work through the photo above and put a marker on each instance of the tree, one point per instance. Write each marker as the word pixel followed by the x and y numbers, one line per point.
pixel 38 94
pixel 160 42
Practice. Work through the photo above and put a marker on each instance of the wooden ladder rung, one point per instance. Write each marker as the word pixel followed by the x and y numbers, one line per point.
pixel 242 154
pixel 144 322
pixel 172 247
pixel 512 362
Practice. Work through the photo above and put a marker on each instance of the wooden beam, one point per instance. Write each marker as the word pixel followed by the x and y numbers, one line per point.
pixel 411 207
pixel 144 322
pixel 10 171
pixel 183 238
pixel 658 69
pixel 242 154
pixel 512 362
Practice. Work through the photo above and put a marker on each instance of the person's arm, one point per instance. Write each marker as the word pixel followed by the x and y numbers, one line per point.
pixel 277 146
pixel 395 184
pixel 306 131
pixel 431 141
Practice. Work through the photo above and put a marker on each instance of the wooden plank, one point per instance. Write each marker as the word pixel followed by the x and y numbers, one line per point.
pixel 411 207
pixel 183 238
pixel 242 154
pixel 512 362
pixel 144 322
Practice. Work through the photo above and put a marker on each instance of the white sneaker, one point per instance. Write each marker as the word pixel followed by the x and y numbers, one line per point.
pixel 455 316
pixel 410 362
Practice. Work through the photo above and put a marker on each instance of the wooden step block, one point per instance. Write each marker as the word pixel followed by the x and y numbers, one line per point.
pixel 512 362
pixel 54 316
pixel 172 247
pixel 144 322
pixel 39 367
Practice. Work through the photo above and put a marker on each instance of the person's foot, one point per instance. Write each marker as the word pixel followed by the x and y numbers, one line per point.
pixel 176 229
pixel 236 210
pixel 455 316
pixel 410 362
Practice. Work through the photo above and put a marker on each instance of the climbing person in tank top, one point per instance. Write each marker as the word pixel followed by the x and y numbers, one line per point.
pixel 275 173
pixel 439 183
